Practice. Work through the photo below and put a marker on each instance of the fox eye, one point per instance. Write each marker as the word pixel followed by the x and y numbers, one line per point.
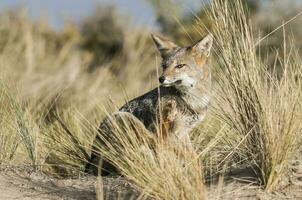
pixel 180 66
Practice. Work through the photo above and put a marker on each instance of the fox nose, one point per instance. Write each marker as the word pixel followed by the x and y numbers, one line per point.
pixel 161 79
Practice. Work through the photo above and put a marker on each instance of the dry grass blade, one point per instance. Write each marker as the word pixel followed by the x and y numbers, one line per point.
pixel 9 141
pixel 21 123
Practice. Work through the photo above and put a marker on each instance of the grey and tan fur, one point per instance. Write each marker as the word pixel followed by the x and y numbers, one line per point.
pixel 178 104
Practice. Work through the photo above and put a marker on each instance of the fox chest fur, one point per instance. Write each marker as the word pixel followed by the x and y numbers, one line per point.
pixel 168 108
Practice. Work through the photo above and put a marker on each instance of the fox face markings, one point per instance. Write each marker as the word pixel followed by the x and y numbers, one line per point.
pixel 183 66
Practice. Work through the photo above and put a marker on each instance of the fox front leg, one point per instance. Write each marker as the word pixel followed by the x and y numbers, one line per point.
pixel 168 120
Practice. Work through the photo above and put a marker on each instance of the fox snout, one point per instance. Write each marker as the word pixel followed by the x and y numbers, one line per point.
pixel 162 79
pixel 166 81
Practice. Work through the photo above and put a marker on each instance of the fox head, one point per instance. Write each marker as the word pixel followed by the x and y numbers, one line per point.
pixel 183 67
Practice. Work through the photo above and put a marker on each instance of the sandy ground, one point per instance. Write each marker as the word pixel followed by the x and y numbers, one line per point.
pixel 23 184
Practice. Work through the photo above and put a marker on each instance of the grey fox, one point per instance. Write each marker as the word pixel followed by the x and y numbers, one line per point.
pixel 178 104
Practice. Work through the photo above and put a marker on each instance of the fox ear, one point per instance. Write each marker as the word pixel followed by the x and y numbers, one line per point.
pixel 204 45
pixel 164 45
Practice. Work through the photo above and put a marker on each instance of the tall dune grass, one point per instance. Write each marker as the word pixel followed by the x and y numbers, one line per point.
pixel 262 106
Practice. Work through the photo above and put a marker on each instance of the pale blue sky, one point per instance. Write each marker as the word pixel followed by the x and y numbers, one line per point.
pixel 59 10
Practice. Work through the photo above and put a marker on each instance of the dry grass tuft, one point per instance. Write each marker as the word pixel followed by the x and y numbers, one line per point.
pixel 261 106
pixel 161 169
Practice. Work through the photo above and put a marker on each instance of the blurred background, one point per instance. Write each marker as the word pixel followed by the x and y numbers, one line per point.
pixel 77 51
pixel 61 57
